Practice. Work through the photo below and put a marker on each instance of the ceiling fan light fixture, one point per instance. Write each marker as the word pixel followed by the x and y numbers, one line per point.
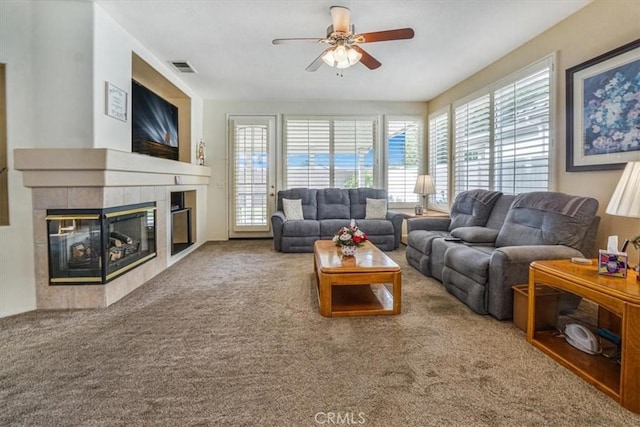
pixel 353 56
pixel 341 57
pixel 328 58
pixel 340 52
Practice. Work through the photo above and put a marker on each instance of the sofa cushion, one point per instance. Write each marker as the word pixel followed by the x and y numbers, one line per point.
pixel 500 211
pixel 470 261
pixel 376 209
pixel 547 218
pixel 301 228
pixel 329 227
pixel 333 203
pixel 358 198
pixel 293 209
pixel 376 227
pixel 306 195
pixel 472 208
pixel 476 235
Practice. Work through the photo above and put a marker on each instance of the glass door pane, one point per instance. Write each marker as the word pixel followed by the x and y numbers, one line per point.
pixel 252 188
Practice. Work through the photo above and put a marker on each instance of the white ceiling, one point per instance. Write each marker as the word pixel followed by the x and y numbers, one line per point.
pixel 229 43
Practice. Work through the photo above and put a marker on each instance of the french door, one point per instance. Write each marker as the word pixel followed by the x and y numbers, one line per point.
pixel 252 175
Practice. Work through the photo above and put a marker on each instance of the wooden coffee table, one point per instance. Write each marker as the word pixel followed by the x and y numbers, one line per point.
pixel 355 286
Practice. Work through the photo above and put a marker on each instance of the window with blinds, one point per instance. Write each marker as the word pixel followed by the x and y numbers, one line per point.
pixel 521 134
pixel 501 137
pixel 439 158
pixel 250 175
pixel 472 151
pixel 403 153
pixel 329 152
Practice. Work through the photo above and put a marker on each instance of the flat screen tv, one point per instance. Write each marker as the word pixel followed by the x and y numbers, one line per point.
pixel 154 123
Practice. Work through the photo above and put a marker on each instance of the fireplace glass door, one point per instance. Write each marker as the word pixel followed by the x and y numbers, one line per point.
pixel 93 246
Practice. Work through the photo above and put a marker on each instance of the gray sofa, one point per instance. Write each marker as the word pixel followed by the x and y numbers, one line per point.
pixel 325 211
pixel 499 236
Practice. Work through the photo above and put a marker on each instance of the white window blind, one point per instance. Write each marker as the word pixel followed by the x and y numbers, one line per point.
pixel 439 158
pixel 472 156
pixel 307 146
pixel 501 136
pixel 250 175
pixel 403 153
pixel 521 134
pixel 329 152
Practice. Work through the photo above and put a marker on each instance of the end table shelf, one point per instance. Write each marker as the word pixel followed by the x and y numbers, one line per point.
pixel 618 301
pixel 602 372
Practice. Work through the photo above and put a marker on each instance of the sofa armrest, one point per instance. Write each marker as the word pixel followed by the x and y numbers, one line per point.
pixel 277 222
pixel 396 219
pixel 428 224
pixel 509 265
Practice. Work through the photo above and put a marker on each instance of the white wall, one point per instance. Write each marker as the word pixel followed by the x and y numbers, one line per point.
pixel 215 135
pixel 62 73
pixel 17 277
pixel 59 55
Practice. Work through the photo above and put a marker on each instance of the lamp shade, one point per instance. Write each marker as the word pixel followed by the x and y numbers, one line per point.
pixel 626 198
pixel 424 185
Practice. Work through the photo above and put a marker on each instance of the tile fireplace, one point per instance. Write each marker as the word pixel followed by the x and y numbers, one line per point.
pixel 94 246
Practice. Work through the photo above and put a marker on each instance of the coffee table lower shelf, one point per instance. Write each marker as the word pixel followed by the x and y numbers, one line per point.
pixel 357 300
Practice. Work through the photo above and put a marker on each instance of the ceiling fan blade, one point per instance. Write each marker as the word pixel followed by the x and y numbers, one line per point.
pixel 298 40
pixel 367 60
pixel 340 16
pixel 381 36
pixel 318 61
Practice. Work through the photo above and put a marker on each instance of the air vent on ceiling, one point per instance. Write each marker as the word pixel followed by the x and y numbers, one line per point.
pixel 183 66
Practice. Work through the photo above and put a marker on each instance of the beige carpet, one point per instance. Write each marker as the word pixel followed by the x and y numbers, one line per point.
pixel 231 335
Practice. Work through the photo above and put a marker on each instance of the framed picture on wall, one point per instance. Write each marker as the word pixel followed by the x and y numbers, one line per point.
pixel 603 110
pixel 116 102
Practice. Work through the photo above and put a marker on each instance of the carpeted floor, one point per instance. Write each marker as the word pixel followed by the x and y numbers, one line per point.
pixel 231 335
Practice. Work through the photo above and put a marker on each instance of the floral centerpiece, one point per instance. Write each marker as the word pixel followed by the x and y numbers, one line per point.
pixel 349 238
pixel 636 244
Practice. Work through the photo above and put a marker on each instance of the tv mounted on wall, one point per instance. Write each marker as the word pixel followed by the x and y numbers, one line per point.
pixel 154 124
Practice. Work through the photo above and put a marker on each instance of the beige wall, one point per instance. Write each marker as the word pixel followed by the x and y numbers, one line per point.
pixel 598 28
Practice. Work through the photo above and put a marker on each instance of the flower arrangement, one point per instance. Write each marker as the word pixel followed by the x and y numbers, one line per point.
pixel 612 111
pixel 350 236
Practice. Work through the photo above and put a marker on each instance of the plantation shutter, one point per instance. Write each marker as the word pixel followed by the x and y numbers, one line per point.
pixel 250 176
pixel 439 159
pixel 521 134
pixel 472 153
pixel 307 152
pixel 329 152
pixel 403 150
pixel 353 144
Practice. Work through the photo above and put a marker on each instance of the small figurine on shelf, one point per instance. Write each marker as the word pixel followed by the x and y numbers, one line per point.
pixel 200 153
pixel 636 244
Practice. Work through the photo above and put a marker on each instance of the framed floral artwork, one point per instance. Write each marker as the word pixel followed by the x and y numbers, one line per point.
pixel 603 110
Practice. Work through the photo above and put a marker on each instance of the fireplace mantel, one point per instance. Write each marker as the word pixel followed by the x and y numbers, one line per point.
pixel 97 178
pixel 102 167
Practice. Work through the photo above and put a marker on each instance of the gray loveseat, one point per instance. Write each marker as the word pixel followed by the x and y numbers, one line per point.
pixel 325 211
pixel 499 236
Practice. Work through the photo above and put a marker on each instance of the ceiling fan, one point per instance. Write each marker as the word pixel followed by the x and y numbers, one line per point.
pixel 343 50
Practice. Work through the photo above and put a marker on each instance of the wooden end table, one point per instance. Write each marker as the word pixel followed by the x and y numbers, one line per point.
pixel 355 286
pixel 618 300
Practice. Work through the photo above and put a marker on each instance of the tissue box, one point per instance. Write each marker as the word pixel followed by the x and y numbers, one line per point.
pixel 612 263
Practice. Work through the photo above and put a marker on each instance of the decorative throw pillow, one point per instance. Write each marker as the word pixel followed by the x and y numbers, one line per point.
pixel 376 209
pixel 293 209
